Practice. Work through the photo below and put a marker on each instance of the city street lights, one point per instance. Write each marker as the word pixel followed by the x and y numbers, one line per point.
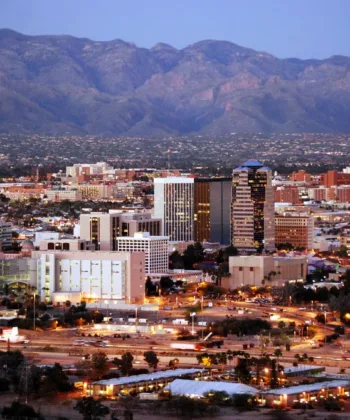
pixel 192 315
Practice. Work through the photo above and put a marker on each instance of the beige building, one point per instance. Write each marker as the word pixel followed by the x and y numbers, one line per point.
pixel 253 224
pixel 264 269
pixel 101 229
pixel 345 241
pixel 60 194
pixel 104 228
pixel 90 276
pixel 95 191
pixel 65 244
pixel 88 169
pixel 295 229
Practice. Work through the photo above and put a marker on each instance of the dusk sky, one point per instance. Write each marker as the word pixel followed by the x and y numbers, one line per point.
pixel 285 28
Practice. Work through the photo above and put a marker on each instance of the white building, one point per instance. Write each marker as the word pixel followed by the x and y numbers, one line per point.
pixel 174 204
pixel 5 234
pixel 154 247
pixel 90 276
pixel 45 235
pixel 60 194
pixel 88 169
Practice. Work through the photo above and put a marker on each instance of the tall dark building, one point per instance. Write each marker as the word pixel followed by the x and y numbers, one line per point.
pixel 253 215
pixel 212 210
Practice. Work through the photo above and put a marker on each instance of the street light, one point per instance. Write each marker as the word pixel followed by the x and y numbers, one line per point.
pixel 193 314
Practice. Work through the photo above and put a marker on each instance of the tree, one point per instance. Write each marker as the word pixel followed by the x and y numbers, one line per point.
pixel 342 251
pixel 217 397
pixel 125 363
pixel 166 282
pixel 173 363
pixel 150 288
pixel 242 371
pixel 19 411
pixel 99 364
pixel 91 409
pixel 55 380
pixel 151 359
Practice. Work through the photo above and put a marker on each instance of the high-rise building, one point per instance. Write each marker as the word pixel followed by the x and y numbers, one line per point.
pixel 101 229
pixel 173 203
pixel 155 249
pixel 253 218
pixel 5 234
pixel 295 229
pixel 212 210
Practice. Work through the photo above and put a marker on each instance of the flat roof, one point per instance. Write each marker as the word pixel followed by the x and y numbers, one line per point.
pixel 308 388
pixel 148 377
pixel 199 388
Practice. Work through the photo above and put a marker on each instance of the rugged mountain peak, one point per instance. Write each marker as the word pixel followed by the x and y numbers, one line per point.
pixel 55 84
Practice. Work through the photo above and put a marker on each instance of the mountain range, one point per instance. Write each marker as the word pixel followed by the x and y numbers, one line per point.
pixel 62 84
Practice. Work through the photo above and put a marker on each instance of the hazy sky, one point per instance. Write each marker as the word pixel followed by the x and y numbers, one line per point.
pixel 285 28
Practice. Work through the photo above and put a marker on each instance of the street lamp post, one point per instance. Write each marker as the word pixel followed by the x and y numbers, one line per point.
pixel 192 315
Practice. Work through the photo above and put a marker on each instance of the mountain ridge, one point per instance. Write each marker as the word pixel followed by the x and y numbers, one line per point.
pixel 56 84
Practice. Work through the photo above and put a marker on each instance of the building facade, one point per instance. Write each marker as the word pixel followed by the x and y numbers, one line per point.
pixel 5 234
pixel 212 210
pixel 259 270
pixel 174 204
pixel 253 224
pixel 90 276
pixel 294 229
pixel 155 249
pixel 101 229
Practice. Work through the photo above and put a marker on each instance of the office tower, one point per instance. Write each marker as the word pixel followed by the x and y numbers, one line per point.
pixel 253 218
pixel 154 247
pixel 296 229
pixel 5 234
pixel 101 229
pixel 173 203
pixel 212 210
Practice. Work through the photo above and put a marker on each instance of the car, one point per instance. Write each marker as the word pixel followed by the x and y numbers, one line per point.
pixel 302 309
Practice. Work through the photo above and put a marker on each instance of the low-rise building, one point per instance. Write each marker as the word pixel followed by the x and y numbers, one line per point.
pixel 90 275
pixel 264 269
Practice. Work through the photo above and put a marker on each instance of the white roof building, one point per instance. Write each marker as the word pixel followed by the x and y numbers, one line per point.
pixel 197 389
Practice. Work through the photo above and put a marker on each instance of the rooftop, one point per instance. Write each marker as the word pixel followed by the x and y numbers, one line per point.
pixel 308 388
pixel 199 388
pixel 148 377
